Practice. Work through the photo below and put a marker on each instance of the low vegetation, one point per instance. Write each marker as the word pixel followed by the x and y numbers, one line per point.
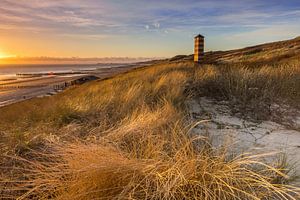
pixel 129 137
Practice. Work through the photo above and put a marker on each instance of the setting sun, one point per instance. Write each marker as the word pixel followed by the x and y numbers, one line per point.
pixel 2 54
pixel 5 58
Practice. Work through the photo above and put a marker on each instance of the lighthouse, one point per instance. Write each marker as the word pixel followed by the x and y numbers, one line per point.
pixel 198 48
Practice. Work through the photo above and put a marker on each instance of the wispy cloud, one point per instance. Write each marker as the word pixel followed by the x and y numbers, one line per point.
pixel 87 36
pixel 103 19
pixel 131 15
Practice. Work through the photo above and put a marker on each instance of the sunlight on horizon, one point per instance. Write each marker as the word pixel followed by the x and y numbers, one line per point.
pixel 5 54
pixel 2 54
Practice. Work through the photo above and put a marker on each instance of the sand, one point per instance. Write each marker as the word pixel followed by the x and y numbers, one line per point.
pixel 246 136
pixel 20 89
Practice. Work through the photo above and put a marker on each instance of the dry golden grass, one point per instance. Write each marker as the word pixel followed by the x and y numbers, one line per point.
pixel 251 89
pixel 129 138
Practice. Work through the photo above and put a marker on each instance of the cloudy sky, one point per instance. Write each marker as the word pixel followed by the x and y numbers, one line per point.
pixel 135 28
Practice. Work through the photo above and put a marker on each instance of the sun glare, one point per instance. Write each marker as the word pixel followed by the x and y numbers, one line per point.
pixel 2 54
pixel 3 57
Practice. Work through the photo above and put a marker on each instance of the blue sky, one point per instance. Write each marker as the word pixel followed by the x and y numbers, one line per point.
pixel 105 28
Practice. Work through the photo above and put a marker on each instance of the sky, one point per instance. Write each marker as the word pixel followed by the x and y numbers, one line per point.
pixel 140 28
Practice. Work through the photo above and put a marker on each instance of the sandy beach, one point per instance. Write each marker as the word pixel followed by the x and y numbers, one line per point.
pixel 22 88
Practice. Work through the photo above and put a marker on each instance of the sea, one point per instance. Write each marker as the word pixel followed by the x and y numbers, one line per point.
pixel 11 71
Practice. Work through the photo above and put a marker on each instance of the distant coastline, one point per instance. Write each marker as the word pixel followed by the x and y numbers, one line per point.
pixel 72 60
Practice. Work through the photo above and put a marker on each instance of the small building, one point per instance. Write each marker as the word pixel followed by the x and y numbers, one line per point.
pixel 199 48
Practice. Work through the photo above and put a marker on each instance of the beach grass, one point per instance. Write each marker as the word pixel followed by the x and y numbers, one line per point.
pixel 129 137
